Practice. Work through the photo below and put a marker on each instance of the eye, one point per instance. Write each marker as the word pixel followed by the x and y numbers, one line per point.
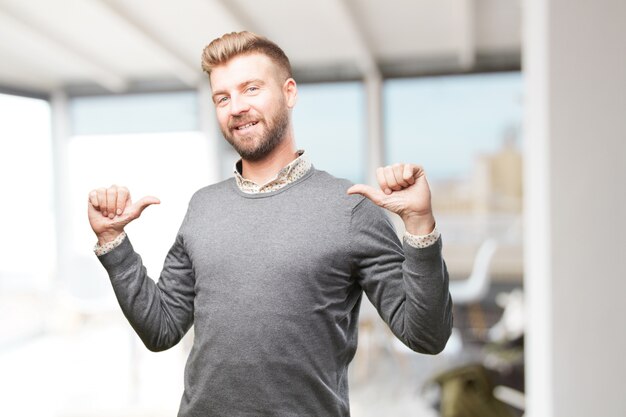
pixel 221 100
pixel 253 89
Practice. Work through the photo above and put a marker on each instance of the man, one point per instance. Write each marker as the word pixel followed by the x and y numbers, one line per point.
pixel 270 266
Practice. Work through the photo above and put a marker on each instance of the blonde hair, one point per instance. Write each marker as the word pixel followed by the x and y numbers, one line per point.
pixel 230 45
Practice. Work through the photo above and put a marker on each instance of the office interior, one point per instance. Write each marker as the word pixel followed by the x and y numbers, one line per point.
pixel 515 109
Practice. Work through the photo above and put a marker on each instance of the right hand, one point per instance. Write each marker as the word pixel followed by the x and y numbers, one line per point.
pixel 111 209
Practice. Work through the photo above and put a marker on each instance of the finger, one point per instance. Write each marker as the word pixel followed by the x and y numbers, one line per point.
pixel 111 201
pixel 391 178
pixel 418 171
pixel 92 205
pixel 123 195
pixel 93 199
pixel 398 173
pixel 382 182
pixel 141 204
pixel 377 196
pixel 102 200
pixel 408 173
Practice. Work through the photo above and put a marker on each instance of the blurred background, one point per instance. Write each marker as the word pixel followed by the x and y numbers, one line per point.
pixel 514 107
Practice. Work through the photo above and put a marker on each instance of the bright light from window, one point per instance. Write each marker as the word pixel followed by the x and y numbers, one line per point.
pixel 27 245
pixel 329 123
pixel 170 166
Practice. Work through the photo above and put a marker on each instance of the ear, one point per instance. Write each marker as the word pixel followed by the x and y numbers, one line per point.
pixel 290 90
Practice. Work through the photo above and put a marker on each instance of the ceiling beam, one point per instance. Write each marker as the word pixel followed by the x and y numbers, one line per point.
pixel 14 90
pixel 185 71
pixel 22 70
pixel 366 61
pixel 97 70
pixel 238 16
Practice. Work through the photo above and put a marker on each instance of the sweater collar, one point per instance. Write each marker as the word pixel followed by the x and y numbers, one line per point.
pixel 295 170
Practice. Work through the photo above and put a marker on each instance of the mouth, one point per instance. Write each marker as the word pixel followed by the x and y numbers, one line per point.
pixel 245 126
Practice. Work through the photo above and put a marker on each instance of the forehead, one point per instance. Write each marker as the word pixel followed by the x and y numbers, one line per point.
pixel 243 68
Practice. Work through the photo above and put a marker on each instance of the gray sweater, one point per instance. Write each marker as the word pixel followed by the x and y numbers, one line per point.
pixel 272 284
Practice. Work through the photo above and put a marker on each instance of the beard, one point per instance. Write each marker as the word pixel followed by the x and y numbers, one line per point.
pixel 258 146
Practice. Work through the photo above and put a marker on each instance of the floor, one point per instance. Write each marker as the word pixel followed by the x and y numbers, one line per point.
pixel 92 365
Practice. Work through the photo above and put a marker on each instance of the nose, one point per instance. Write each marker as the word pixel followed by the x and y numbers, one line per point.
pixel 238 105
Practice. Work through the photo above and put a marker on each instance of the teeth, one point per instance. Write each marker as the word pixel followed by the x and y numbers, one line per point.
pixel 245 126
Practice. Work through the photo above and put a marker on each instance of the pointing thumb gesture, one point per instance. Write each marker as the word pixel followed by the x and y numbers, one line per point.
pixel 367 191
pixel 139 206
pixel 111 209
pixel 404 190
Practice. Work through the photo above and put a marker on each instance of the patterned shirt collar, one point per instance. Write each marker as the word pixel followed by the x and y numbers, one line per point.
pixel 290 173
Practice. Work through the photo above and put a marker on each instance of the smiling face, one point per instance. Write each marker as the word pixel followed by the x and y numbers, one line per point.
pixel 253 98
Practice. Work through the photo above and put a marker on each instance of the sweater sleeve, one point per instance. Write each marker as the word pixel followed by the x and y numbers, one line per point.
pixel 407 285
pixel 161 313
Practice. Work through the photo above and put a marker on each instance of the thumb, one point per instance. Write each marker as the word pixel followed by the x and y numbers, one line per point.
pixel 367 191
pixel 140 205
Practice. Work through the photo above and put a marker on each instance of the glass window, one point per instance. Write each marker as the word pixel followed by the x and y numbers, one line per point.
pixel 26 183
pixel 466 132
pixel 329 123
pixel 444 122
pixel 134 113
pixel 170 166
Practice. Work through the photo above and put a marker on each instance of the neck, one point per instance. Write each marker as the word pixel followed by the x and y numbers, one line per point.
pixel 265 169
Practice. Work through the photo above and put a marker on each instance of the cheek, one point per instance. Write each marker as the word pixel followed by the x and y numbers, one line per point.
pixel 222 118
pixel 269 108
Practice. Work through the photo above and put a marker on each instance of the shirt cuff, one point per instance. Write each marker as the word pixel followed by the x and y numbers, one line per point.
pixel 422 241
pixel 108 247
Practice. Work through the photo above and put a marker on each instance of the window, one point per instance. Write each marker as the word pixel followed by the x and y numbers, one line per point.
pixel 444 122
pixel 147 142
pixel 329 123
pixel 466 132
pixel 27 205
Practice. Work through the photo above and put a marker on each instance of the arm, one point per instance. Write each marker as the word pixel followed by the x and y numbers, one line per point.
pixel 161 313
pixel 407 285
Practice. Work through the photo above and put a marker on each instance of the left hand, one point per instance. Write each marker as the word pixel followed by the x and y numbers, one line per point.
pixel 404 190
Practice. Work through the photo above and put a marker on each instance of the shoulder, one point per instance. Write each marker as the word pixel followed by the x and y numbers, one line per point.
pixel 212 193
pixel 334 189
pixel 210 189
pixel 362 209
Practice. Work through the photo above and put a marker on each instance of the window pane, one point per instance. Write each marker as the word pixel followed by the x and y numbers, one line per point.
pixel 329 123
pixel 170 166
pixel 444 122
pixel 26 183
pixel 465 131
pixel 134 113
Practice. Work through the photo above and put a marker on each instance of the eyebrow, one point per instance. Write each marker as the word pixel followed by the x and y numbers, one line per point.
pixel 240 86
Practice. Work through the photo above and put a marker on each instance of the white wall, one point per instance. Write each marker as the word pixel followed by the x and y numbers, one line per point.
pixel 575 174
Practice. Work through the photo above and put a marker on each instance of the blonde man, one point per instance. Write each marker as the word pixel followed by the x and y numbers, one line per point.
pixel 270 266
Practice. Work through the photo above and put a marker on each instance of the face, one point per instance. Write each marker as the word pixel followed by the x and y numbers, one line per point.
pixel 252 99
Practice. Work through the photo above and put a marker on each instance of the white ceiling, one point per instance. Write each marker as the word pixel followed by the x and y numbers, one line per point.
pixel 118 45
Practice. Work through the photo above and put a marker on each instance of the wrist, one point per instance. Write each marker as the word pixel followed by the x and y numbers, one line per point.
pixel 419 224
pixel 108 236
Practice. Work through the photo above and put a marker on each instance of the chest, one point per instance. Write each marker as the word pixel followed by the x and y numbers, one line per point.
pixel 283 256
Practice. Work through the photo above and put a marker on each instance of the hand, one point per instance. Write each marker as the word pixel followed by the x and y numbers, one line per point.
pixel 404 190
pixel 111 209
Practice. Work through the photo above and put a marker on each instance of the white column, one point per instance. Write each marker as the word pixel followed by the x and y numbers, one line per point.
pixel 375 143
pixel 575 212
pixel 467 33
pixel 208 126
pixel 60 135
